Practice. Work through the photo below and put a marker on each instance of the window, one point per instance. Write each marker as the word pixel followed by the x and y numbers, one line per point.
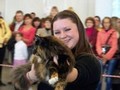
pixel 116 8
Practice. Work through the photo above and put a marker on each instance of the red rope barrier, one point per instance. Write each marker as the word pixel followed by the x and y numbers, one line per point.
pixel 4 65
pixel 111 76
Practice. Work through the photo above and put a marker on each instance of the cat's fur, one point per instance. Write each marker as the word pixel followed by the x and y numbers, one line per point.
pixel 45 49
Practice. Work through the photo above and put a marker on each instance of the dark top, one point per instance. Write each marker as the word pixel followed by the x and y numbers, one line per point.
pixel 89 72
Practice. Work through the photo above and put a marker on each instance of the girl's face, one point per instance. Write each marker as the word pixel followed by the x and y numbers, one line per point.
pixel 89 24
pixel 18 37
pixel 97 22
pixel 36 23
pixel 106 24
pixel 118 23
pixel 67 31
pixel 47 24
pixel 53 12
pixel 28 21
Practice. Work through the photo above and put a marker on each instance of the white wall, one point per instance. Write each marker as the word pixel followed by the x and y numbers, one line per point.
pixel 103 8
pixel 2 7
pixel 83 8
pixel 91 7
pixel 27 6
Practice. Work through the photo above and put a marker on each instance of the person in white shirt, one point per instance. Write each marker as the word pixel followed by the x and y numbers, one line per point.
pixel 20 50
pixel 16 24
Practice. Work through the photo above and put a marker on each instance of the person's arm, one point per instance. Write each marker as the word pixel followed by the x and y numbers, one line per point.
pixel 87 70
pixel 72 75
pixel 7 33
pixel 114 46
pixel 31 76
pixel 98 44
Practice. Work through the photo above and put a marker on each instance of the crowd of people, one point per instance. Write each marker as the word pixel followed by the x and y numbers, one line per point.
pixel 97 45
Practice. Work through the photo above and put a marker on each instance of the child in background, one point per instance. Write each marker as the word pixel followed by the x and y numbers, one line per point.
pixel 20 50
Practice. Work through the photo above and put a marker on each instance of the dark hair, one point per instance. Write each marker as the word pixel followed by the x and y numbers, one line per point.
pixel 48 19
pixel 19 11
pixel 33 13
pixel 91 19
pixel 114 18
pixel 27 15
pixel 36 19
pixel 18 33
pixel 109 21
pixel 114 22
pixel 54 7
pixel 1 17
pixel 98 18
pixel 83 44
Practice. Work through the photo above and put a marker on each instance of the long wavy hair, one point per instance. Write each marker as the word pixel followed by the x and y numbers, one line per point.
pixel 83 45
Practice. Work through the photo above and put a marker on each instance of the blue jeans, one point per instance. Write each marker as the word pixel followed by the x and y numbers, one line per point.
pixel 108 68
pixel 30 51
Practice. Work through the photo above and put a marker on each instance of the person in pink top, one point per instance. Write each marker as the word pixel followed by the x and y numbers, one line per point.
pixel 28 32
pixel 91 32
pixel 107 38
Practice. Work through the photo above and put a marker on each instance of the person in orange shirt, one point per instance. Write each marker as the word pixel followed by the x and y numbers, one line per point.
pixel 107 37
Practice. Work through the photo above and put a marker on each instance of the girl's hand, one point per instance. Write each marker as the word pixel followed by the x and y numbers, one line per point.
pixel 31 76
pixel 104 59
